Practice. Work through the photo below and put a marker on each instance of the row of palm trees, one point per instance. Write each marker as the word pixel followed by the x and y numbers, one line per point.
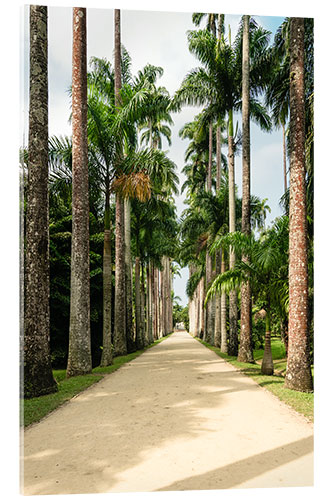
pixel 252 77
pixel 104 170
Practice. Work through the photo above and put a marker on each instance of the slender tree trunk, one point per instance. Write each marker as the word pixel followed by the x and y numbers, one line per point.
pixel 298 375
pixel 153 303
pixel 267 366
pixel 128 277
pixel 170 299
pixel 79 355
pixel 120 341
pixel 224 342
pixel 284 159
pixel 120 344
pixel 38 378
pixel 245 353
pixel 156 303
pixel 143 306
pixel 202 310
pixel 217 332
pixel 210 307
pixel 106 359
pixel 138 317
pixel 233 314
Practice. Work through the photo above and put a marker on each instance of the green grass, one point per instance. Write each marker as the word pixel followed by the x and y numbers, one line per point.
pixel 299 401
pixel 34 409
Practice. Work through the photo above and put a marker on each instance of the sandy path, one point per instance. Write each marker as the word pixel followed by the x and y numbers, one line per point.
pixel 176 418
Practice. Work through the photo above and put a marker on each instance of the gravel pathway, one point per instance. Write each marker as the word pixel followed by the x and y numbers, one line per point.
pixel 176 418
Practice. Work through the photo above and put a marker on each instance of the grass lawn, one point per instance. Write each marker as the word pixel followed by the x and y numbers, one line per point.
pixel 34 409
pixel 299 401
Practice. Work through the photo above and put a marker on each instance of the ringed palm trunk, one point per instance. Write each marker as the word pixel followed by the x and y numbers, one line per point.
pixel 120 345
pixel 38 378
pixel 139 342
pixel 202 310
pixel 170 299
pixel 79 355
pixel 106 359
pixel 285 184
pixel 157 307
pixel 128 277
pixel 298 375
pixel 143 306
pixel 233 336
pixel 245 353
pixel 210 307
pixel 150 303
pixel 217 331
pixel 224 342
pixel 153 302
pixel 267 366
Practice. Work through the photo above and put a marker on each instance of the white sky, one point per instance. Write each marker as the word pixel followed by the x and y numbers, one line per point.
pixel 11 135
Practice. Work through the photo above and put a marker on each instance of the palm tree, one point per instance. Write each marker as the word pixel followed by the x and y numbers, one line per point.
pixel 245 353
pixel 213 20
pixel 120 344
pixel 79 355
pixel 102 153
pixel 298 374
pixel 36 360
pixel 218 87
pixel 266 271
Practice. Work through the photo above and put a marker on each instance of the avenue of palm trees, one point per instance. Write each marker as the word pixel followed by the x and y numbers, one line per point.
pixel 102 237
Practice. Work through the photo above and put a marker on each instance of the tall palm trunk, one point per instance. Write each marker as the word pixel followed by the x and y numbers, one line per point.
pixel 267 366
pixel 201 308
pixel 218 318
pixel 128 277
pixel 163 302
pixel 106 358
pixel 233 336
pixel 143 306
pixel 120 344
pixel 156 306
pixel 170 289
pixel 139 334
pixel 38 378
pixel 245 353
pixel 285 184
pixel 79 355
pixel 298 375
pixel 210 307
pixel 150 281
pixel 224 342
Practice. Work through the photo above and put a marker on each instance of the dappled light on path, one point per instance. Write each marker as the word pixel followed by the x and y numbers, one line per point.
pixel 175 418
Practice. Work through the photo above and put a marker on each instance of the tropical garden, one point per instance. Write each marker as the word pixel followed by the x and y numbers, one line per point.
pixel 102 239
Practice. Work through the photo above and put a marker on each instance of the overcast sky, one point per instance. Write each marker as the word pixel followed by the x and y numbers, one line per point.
pixel 158 38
